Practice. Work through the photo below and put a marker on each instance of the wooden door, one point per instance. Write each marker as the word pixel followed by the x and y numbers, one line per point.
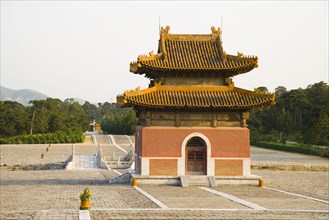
pixel 196 161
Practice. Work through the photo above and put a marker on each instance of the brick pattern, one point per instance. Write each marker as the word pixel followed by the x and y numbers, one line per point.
pixel 167 141
pixel 228 167
pixel 163 167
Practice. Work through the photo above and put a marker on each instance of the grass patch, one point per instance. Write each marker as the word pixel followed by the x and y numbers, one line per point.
pixel 50 138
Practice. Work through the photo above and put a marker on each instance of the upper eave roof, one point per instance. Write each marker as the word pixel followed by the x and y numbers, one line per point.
pixel 181 52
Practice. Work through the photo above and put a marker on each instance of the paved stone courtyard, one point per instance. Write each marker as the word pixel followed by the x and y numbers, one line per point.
pixel 54 194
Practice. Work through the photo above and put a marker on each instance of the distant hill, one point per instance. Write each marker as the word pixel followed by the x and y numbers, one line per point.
pixel 22 96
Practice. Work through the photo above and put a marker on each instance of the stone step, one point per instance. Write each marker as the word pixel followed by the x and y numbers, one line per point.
pixel 123 178
pixel 197 178
pixel 196 181
pixel 199 183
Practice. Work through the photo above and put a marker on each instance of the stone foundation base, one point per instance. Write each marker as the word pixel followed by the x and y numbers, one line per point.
pixel 156 180
pixel 252 180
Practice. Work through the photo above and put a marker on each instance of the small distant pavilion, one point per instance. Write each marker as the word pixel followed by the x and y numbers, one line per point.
pixel 192 119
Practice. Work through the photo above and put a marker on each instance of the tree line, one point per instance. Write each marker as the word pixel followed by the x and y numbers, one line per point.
pixel 53 116
pixel 299 115
pixel 113 119
pixel 41 117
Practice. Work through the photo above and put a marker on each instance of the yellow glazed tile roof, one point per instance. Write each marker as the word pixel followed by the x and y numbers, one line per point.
pixel 179 52
pixel 216 97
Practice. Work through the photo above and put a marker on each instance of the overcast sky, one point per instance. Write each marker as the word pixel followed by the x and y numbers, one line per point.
pixel 82 49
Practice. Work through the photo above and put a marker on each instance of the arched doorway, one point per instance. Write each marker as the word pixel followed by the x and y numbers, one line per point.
pixel 196 156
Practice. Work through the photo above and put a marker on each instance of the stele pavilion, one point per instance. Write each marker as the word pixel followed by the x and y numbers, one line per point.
pixel 192 119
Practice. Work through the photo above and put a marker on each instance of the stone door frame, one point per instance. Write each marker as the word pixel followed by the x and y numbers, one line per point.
pixel 209 161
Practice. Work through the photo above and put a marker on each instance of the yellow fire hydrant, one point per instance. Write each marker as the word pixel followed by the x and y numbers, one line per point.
pixel 85 199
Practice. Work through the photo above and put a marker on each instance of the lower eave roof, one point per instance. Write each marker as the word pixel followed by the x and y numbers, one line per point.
pixel 201 97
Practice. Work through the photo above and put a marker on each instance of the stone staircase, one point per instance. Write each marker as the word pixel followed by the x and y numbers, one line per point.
pixel 101 139
pixel 123 178
pixel 198 181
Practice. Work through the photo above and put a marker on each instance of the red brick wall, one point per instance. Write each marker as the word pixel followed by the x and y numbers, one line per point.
pixel 228 168
pixel 231 143
pixel 163 167
pixel 167 141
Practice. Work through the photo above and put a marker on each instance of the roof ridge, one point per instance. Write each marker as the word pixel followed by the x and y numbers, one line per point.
pixel 193 88
pixel 191 37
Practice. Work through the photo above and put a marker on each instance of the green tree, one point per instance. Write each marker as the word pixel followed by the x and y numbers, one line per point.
pixel 280 90
pixel 56 115
pixel 92 111
pixel 13 119
pixel 39 116
pixel 298 115
pixel 120 123
pixel 319 132
pixel 76 118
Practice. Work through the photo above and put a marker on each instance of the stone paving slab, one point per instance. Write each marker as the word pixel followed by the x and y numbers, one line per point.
pixel 42 190
pixel 312 184
pixel 29 194
pixel 188 197
pixel 31 154
pixel 272 200
pixel 120 196
pixel 204 214
pixel 55 194
pixel 110 152
pixel 57 214
pixel 85 149
pixel 56 177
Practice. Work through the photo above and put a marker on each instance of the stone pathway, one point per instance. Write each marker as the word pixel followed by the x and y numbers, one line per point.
pixel 205 214
pixel 312 184
pixel 55 194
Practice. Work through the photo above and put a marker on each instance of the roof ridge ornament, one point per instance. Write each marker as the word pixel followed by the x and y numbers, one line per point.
pixel 157 84
pixel 263 92
pixel 240 54
pixel 214 31
pixel 230 83
pixel 165 30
